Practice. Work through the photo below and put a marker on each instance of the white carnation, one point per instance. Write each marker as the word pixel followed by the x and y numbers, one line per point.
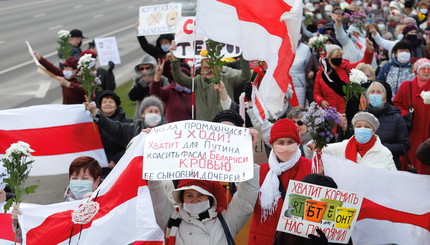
pixel 20 146
pixel 63 34
pixel 426 97
pixel 357 76
pixel 85 61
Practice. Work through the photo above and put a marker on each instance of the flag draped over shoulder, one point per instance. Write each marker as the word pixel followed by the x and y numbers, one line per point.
pixel 396 204
pixel 264 30
pixel 57 133
pixel 125 215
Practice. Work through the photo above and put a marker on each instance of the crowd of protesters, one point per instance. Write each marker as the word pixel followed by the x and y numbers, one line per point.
pixel 390 45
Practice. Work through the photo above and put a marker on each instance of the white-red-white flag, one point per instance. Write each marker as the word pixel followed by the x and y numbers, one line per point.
pixel 264 30
pixel 259 108
pixel 57 133
pixel 125 215
pixel 396 205
pixel 7 235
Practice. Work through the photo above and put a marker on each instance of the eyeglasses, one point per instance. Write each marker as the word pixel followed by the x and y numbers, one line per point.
pixel 144 68
pixel 299 123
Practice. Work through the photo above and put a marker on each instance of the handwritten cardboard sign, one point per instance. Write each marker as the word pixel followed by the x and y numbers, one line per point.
pixel 308 207
pixel 195 149
pixel 158 19
pixel 189 44
pixel 107 50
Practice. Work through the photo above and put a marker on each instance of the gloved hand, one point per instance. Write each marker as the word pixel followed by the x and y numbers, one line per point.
pixel 111 65
pixel 319 240
pixel 248 90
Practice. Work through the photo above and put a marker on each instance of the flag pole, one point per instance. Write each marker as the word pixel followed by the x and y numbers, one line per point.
pixel 193 96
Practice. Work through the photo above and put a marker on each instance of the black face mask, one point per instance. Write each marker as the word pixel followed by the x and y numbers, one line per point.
pixel 336 61
pixel 79 44
pixel 411 37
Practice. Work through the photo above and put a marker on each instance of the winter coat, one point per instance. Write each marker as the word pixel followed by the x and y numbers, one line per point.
pixel 107 79
pixel 417 50
pixel 73 95
pixel 206 98
pixel 323 92
pixel 177 104
pixel 264 232
pixel 297 71
pixel 378 156
pixel 392 131
pixel 194 232
pixel 421 127
pixel 394 73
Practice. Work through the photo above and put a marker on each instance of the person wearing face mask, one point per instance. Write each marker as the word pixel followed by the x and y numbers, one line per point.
pixel 409 95
pixel 145 71
pixel 392 132
pixel 398 69
pixel 151 115
pixel 71 88
pixel 285 163
pixel 201 204
pixel 365 146
pixel 84 177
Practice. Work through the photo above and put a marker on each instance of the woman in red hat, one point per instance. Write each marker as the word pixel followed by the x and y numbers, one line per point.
pixel 285 163
pixel 202 208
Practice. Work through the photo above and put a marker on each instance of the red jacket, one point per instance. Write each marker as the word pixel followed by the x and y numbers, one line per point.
pixel 264 232
pixel 323 92
pixel 421 127
pixel 73 95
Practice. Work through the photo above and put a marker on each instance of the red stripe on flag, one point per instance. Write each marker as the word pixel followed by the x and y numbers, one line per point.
pixel 148 243
pixel 6 231
pixel 57 227
pixel 372 210
pixel 260 108
pixel 55 140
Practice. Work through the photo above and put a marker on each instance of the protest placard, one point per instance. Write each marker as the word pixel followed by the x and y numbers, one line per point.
pixel 260 154
pixel 158 19
pixel 40 68
pixel 107 50
pixel 189 44
pixel 308 207
pixel 195 149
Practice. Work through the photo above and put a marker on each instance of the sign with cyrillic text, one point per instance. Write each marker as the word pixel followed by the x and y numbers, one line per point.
pixel 158 19
pixel 195 149
pixel 189 44
pixel 107 50
pixel 308 207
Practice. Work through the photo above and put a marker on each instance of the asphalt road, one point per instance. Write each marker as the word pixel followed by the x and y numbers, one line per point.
pixel 38 21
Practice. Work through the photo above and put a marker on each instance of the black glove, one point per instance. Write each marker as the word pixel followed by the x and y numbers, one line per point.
pixel 248 90
pixel 319 240
pixel 111 65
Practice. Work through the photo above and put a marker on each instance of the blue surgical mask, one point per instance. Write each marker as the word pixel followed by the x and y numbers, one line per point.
pixel 67 74
pixel 363 135
pixel 165 47
pixel 80 187
pixel 376 100
pixel 321 30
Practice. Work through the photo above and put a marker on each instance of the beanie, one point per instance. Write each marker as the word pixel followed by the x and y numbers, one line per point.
pixel 319 179
pixel 330 48
pixel 368 117
pixel 149 101
pixel 108 93
pixel 421 63
pixel 229 116
pixel 210 188
pixel 92 53
pixel 408 28
pixel 284 128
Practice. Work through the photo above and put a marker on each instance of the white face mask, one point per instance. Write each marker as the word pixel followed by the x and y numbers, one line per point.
pixel 152 119
pixel 165 47
pixel 403 57
pixel 196 208
pixel 424 11
pixel 374 6
pixel 67 74
pixel 381 27
pixel 385 9
pixel 285 152
pixel 319 16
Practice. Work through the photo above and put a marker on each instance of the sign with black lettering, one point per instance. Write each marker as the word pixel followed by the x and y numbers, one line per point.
pixel 189 44
pixel 158 19
pixel 308 207
pixel 195 149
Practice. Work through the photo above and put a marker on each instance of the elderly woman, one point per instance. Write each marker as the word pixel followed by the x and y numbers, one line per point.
pixel 407 97
pixel 285 163
pixel 393 132
pixel 202 210
pixel 364 147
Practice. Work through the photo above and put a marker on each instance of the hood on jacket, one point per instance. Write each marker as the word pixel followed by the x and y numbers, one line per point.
pixel 147 60
pixel 169 37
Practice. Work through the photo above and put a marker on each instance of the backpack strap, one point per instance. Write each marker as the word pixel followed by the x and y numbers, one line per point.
pixel 227 233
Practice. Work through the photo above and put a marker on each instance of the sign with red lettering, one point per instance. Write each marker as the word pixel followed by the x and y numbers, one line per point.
pixel 107 50
pixel 158 19
pixel 189 44
pixel 308 207
pixel 194 149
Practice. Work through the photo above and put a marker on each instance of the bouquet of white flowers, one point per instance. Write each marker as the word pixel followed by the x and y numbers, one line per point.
pixel 318 42
pixel 87 72
pixel 354 88
pixel 65 49
pixel 426 97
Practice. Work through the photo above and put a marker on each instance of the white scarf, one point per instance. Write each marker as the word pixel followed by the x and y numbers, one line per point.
pixel 269 191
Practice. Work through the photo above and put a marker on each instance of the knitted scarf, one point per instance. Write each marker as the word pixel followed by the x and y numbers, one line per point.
pixel 353 147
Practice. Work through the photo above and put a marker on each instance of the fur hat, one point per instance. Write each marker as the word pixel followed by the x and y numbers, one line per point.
pixel 152 100
pixel 330 48
pixel 285 128
pixel 229 116
pixel 368 117
pixel 211 188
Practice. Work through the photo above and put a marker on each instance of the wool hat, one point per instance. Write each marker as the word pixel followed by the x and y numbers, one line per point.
pixel 328 8
pixel 368 117
pixel 229 116
pixel 210 188
pixel 409 28
pixel 108 93
pixel 423 152
pixel 420 63
pixel 92 53
pixel 76 33
pixel 319 179
pixel 310 7
pixel 409 21
pixel 284 128
pixel 71 62
pixel 330 48
pixel 152 101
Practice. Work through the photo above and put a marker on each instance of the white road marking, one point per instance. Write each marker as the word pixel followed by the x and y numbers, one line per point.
pixel 55 27
pixel 98 16
pixel 130 7
pixel 25 5
pixel 39 15
pixel 43 89
pixel 78 6
pixel 1 42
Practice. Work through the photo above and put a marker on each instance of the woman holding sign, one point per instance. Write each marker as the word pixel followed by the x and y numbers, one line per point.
pixel 285 163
